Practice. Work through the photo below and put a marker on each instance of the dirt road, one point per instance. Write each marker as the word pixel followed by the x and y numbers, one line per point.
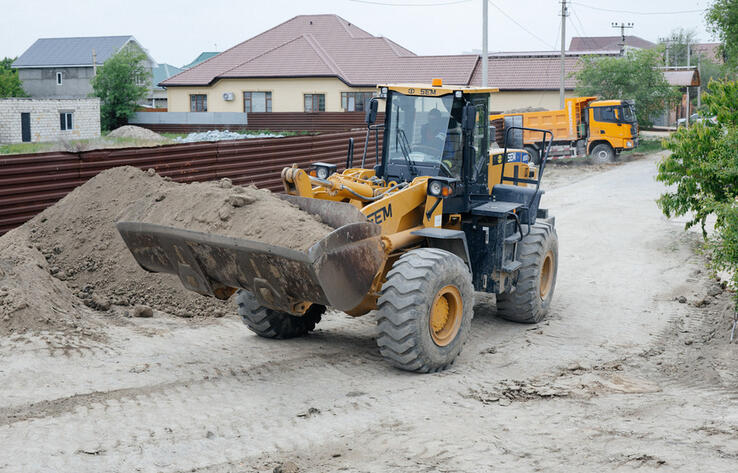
pixel 620 377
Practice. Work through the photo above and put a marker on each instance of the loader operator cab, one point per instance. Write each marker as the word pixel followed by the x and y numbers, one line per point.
pixel 424 136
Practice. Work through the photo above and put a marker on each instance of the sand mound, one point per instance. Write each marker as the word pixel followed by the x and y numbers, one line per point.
pixel 71 254
pixel 132 131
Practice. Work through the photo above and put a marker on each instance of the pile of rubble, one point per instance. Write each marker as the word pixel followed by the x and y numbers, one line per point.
pixel 222 135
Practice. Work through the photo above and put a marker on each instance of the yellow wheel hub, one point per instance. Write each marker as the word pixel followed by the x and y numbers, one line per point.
pixel 547 274
pixel 445 315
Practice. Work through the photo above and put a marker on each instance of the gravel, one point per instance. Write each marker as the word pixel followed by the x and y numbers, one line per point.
pixel 218 135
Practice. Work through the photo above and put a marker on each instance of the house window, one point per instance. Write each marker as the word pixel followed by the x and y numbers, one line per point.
pixel 257 102
pixel 65 120
pixel 198 103
pixel 315 102
pixel 355 101
pixel 58 78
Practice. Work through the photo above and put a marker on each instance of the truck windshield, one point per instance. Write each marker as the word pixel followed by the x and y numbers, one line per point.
pixel 628 114
pixel 425 131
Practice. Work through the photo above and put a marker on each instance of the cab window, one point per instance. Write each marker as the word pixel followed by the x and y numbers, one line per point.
pixel 481 132
pixel 605 114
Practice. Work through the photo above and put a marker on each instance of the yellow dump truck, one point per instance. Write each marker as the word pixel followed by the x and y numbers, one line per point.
pixel 586 126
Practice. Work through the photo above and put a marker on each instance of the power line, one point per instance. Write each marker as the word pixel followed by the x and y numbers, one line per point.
pixel 520 25
pixel 630 12
pixel 386 4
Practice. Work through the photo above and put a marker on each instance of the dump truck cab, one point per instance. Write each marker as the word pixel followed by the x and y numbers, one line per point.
pixel 612 122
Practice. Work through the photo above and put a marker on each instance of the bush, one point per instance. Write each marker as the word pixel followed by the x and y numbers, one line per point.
pixel 704 168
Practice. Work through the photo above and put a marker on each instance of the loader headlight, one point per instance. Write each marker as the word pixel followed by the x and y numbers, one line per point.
pixel 441 187
pixel 323 170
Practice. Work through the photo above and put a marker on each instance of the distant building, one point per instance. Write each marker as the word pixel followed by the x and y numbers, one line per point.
pixel 531 79
pixel 63 67
pixel 607 43
pixel 710 51
pixel 158 95
pixel 33 120
pixel 204 56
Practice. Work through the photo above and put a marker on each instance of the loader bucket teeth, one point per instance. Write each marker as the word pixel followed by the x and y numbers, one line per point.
pixel 336 271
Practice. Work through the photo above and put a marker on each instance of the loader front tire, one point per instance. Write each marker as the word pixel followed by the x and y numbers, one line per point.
pixel 531 299
pixel 270 323
pixel 425 310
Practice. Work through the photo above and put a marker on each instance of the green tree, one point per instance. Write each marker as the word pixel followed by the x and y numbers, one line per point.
pixel 633 76
pixel 121 82
pixel 10 84
pixel 722 19
pixel 703 170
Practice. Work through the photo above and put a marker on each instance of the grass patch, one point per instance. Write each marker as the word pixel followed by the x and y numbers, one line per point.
pixel 23 148
pixel 646 146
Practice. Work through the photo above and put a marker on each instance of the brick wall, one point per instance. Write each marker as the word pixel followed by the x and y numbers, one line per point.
pixel 45 122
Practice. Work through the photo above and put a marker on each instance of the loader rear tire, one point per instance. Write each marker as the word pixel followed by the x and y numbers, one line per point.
pixel 531 299
pixel 270 323
pixel 425 310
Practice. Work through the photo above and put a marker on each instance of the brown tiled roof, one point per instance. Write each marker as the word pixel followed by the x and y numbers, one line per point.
pixel 607 43
pixel 530 70
pixel 325 45
pixel 710 51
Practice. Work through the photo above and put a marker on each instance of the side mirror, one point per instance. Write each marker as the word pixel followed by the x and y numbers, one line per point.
pixel 371 112
pixel 468 118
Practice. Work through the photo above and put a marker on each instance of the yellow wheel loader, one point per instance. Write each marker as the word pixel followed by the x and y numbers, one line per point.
pixel 440 216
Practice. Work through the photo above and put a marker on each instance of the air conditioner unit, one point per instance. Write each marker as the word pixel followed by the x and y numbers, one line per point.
pixel 228 96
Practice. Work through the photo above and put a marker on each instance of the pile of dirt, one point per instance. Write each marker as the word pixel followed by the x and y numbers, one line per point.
pixel 71 254
pixel 132 131
pixel 30 297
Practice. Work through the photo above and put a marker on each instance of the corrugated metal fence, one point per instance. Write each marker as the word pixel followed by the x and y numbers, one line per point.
pixel 29 183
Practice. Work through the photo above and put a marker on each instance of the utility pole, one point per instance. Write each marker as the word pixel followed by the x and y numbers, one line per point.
pixel 564 13
pixel 689 102
pixel 622 27
pixel 485 57
pixel 699 87
pixel 94 62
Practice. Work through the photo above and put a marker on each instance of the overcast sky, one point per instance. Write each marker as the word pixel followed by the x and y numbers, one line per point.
pixel 175 32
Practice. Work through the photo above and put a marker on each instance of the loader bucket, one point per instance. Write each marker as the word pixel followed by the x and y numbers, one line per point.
pixel 336 271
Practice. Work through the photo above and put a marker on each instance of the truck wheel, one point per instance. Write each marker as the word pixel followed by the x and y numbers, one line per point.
pixel 425 310
pixel 539 255
pixel 602 153
pixel 535 156
pixel 271 323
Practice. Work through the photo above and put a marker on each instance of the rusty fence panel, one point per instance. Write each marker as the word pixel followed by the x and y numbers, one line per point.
pixel 30 183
